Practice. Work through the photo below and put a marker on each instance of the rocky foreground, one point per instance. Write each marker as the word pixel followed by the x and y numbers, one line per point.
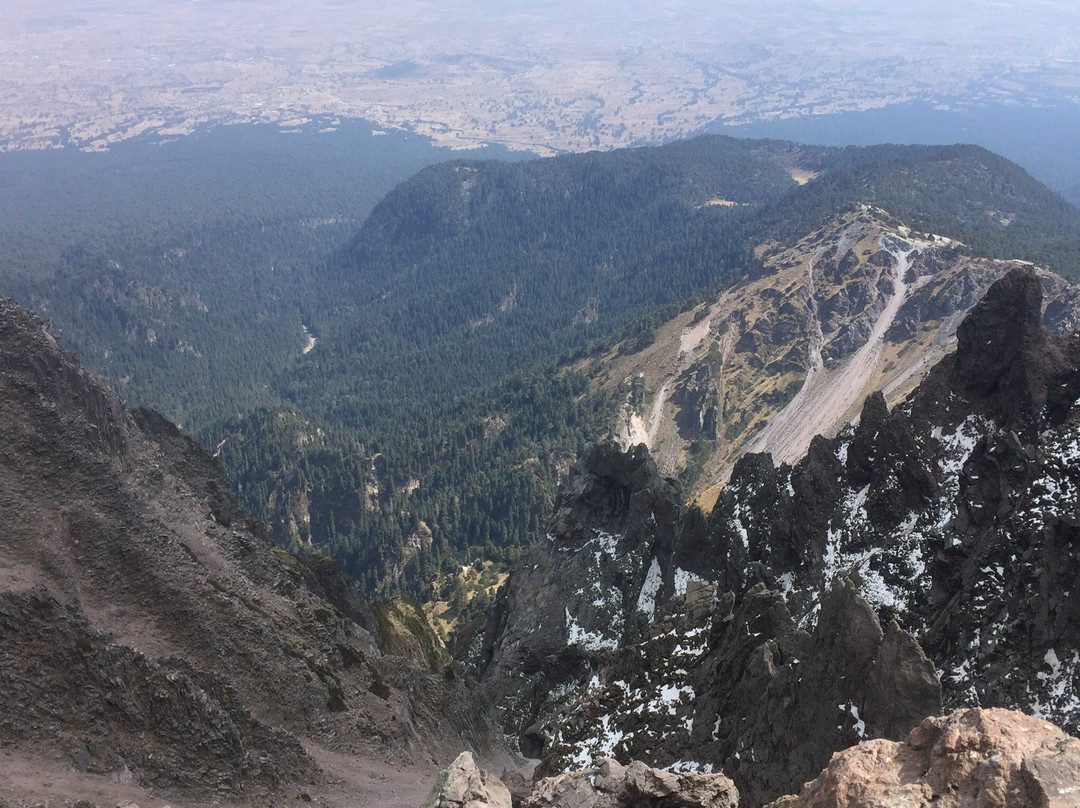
pixel 987 758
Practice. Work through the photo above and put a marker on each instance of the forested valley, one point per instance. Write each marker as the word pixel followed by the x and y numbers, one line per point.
pixel 380 353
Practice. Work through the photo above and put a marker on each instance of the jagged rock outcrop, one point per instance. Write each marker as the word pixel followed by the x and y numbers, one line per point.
pixel 935 538
pixel 955 513
pixel 676 688
pixel 863 303
pixel 750 693
pixel 609 784
pixel 990 758
pixel 463 784
pixel 579 591
pixel 148 628
pixel 695 397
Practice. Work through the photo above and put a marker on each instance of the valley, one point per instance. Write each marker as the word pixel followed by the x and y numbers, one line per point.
pixel 551 461
pixel 477 330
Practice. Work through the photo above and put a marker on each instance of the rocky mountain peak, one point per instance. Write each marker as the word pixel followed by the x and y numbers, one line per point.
pixel 588 586
pixel 610 490
pixel 1004 354
pixel 864 303
pixel 923 557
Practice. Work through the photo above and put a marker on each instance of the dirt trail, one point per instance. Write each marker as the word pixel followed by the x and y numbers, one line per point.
pixel 820 406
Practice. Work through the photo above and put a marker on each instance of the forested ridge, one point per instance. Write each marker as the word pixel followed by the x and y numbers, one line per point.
pixel 183 271
pixel 432 419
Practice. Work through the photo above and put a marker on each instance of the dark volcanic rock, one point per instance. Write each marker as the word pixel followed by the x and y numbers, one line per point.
pixel 577 592
pixel 114 709
pixel 817 603
pixel 751 694
pixel 695 396
pixel 145 617
pixel 1004 356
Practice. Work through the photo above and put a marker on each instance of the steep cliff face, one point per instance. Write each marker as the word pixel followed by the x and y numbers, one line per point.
pixel 583 590
pixel 823 603
pixel 748 692
pixel 609 640
pixel 953 513
pixel 148 628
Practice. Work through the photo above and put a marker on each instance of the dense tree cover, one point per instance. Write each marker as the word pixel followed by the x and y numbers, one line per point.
pixel 184 271
pixel 429 426
pixel 465 479
pixel 471 270
pixel 964 192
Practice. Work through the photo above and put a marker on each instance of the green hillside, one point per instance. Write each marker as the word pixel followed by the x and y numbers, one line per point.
pixel 429 422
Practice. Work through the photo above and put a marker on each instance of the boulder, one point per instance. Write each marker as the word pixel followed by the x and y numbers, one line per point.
pixel 988 758
pixel 463 784
pixel 609 784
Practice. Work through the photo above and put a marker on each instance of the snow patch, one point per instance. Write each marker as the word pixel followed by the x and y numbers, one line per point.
pixel 591 640
pixel 683 579
pixel 647 599
pixel 860 725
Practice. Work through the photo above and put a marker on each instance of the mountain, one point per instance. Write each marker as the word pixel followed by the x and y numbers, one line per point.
pixel 430 353
pixel 152 637
pixel 438 341
pixel 922 559
pixel 470 269
pixel 861 304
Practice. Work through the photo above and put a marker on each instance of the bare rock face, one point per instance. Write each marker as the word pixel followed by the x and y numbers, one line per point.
pixel 925 559
pixel 577 593
pixel 749 693
pixel 695 396
pixel 612 785
pixel 463 784
pixel 954 514
pixel 149 630
pixel 988 758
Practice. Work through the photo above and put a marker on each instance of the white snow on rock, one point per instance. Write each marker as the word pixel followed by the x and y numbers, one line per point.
pixel 591 640
pixel 683 579
pixel 649 590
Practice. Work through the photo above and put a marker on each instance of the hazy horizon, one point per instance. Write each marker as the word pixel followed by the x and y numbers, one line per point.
pixel 561 75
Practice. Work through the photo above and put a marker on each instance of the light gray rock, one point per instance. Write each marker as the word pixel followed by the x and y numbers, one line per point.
pixel 611 785
pixel 463 784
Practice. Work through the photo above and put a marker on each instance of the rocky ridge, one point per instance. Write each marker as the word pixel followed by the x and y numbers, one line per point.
pixel 863 303
pixel 820 604
pixel 150 632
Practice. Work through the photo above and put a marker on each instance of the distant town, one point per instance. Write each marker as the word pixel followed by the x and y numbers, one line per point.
pixel 557 77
